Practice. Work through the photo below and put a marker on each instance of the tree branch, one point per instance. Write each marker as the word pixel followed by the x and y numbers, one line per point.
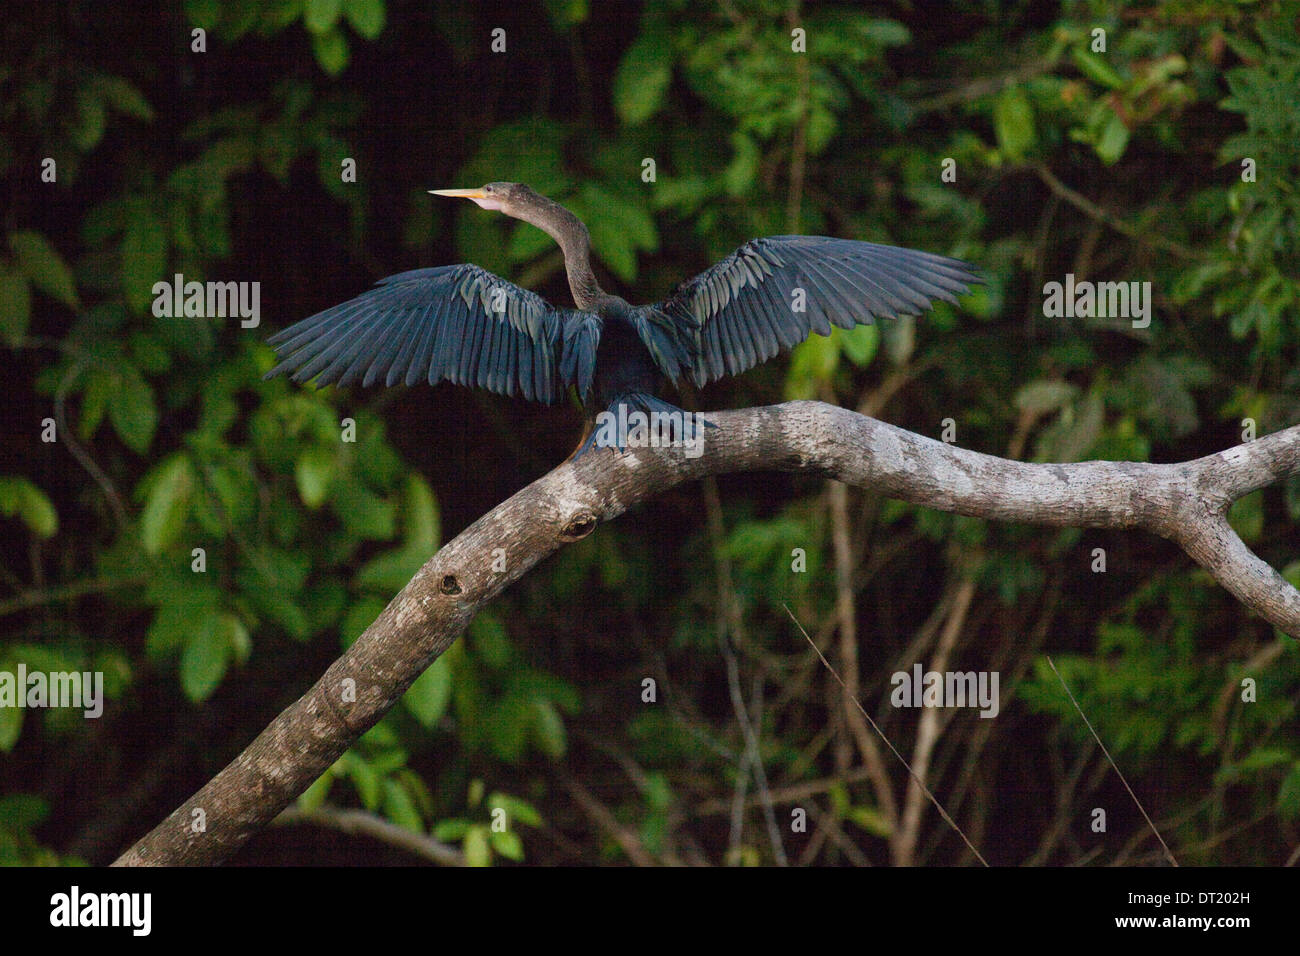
pixel 364 823
pixel 1185 502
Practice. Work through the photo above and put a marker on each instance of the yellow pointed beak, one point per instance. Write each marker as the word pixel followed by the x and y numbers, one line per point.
pixel 459 193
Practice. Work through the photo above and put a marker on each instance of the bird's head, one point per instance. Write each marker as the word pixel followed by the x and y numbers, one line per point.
pixel 512 199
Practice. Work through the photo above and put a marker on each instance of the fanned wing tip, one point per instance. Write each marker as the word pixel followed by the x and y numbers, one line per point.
pixel 442 323
pixel 771 293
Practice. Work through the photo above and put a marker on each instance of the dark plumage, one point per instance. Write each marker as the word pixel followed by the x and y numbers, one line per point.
pixel 468 326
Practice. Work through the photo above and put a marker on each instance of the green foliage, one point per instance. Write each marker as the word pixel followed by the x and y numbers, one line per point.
pixel 43 267
pixel 481 842
pixel 230 537
pixel 20 813
pixel 22 499
pixel 1013 121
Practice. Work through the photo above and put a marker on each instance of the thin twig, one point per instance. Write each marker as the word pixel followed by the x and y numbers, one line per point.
pixel 82 456
pixel 901 759
pixel 1090 208
pixel 866 744
pixel 928 730
pixel 364 823
pixel 731 622
pixel 601 815
pixel 1111 761
pixel 65 592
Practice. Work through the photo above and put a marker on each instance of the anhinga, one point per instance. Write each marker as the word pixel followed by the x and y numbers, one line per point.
pixel 466 325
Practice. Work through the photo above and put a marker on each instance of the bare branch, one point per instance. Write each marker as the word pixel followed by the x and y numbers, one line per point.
pixel 1185 502
pixel 364 823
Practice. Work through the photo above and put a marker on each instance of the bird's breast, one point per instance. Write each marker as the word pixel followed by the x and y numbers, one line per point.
pixel 623 363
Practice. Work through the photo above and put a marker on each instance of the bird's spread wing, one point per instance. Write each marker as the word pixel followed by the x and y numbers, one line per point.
pixel 459 323
pixel 770 293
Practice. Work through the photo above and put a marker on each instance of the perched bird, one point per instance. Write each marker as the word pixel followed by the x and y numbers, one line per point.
pixel 464 324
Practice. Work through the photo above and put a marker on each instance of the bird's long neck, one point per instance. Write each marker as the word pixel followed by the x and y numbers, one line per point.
pixel 574 241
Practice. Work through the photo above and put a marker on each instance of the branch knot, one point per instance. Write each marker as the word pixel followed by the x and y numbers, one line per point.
pixel 579 526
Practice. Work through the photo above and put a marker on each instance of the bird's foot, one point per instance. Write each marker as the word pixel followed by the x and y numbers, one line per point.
pixel 637 420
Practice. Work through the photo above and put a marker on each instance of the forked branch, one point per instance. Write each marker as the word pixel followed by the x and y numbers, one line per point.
pixel 1186 502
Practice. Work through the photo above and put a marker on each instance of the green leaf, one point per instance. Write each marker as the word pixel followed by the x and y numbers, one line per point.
pixel 87 125
pixel 814 360
pixel 236 637
pixel 314 473
pixel 451 831
pixel 331 50
pixel 742 172
pixel 527 242
pixel 508 844
pixel 391 571
pixel 11 727
pixel 20 497
pixel 367 781
pixel 124 98
pixel 642 79
pixel 319 16
pixel 487 635
pixel 133 412
pixel 508 730
pixel 1288 795
pixel 144 254
pixel 871 820
pixel 174 621
pixel 421 521
pixel 168 504
pixel 822 126
pixel 366 16
pixel 46 269
pixel 1113 140
pixel 860 343
pixel 567 13
pixel 205 659
pixel 101 386
pixel 428 697
pixel 15 307
pixel 614 247
pixel 22 811
pixel 363 513
pixel 1013 122
pixel 360 616
pixel 1096 68
pixel 477 849
pixel 548 728
pixel 518 812
pixel 1263 758
pixel 400 808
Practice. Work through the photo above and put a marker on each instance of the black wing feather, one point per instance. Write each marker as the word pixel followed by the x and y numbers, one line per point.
pixel 739 312
pixel 437 324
